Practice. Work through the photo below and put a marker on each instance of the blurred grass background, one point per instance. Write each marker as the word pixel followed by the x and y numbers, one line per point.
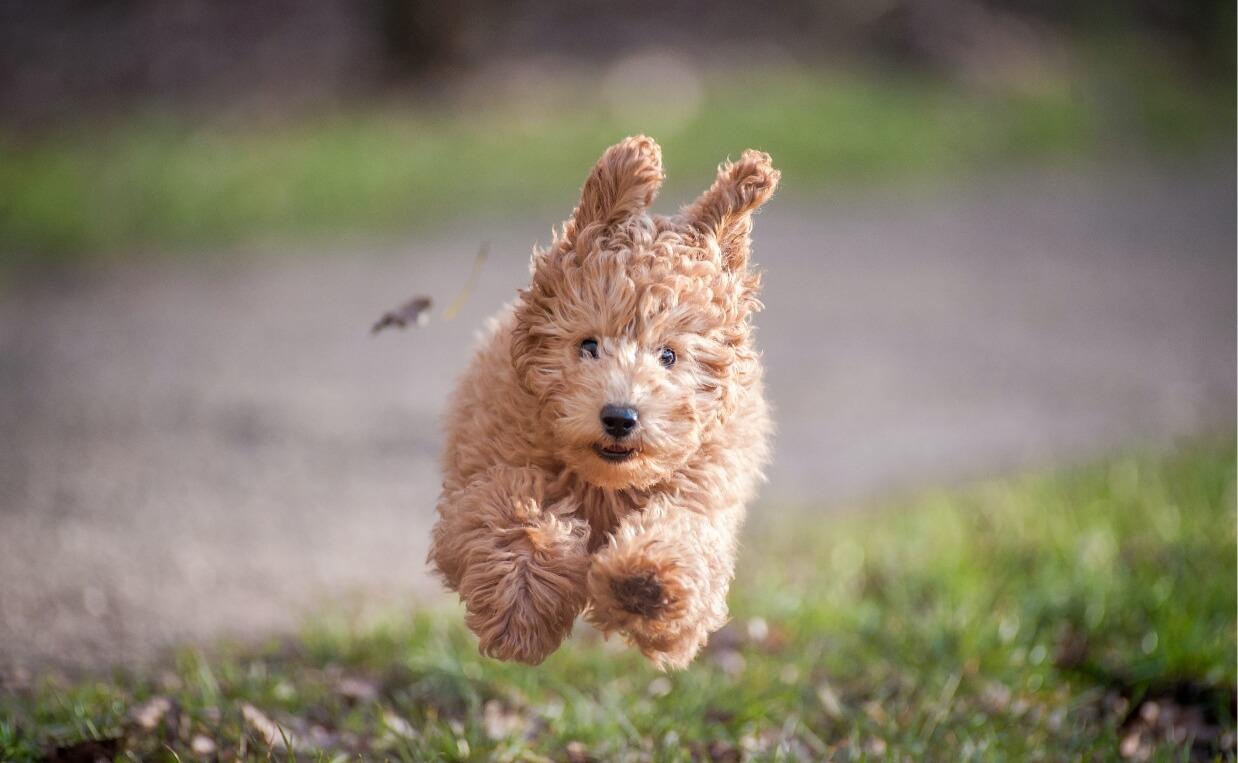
pixel 110 182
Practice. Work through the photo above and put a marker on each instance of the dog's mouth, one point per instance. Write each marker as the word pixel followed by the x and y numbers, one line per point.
pixel 614 453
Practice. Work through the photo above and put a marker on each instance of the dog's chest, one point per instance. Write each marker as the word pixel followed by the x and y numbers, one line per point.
pixel 602 509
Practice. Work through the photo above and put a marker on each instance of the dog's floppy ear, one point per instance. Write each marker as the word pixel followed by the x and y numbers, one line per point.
pixel 725 210
pixel 622 183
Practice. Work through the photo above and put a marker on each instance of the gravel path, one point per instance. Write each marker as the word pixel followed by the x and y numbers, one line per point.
pixel 216 449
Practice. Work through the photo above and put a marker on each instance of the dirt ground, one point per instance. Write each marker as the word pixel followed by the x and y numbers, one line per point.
pixel 216 446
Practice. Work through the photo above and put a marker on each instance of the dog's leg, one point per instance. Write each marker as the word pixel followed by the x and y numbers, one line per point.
pixel 663 580
pixel 519 565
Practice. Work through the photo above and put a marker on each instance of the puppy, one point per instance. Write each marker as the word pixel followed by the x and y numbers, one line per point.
pixel 611 428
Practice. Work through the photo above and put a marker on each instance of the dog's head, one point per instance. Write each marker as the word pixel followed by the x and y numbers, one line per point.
pixel 634 335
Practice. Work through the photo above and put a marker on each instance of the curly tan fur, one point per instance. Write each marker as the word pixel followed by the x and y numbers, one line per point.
pixel 548 512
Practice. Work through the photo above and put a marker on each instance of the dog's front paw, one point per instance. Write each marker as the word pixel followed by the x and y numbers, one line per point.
pixel 640 594
pixel 660 604
pixel 521 632
pixel 522 598
pixel 519 565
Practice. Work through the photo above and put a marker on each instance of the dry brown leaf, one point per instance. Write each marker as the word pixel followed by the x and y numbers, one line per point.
pixel 269 732
pixel 414 312
pixel 356 689
pixel 202 745
pixel 501 721
pixel 578 753
pixel 151 713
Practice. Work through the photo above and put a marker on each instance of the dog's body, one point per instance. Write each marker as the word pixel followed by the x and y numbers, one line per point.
pixel 607 436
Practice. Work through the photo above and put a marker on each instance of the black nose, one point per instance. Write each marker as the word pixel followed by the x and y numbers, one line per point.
pixel 618 421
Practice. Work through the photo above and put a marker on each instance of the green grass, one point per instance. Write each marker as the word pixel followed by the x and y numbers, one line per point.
pixel 1044 617
pixel 110 187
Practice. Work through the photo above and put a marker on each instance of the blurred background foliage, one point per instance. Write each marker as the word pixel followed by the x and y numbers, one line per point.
pixel 147 125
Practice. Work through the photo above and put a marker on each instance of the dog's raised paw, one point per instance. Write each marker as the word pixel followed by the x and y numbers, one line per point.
pixel 640 595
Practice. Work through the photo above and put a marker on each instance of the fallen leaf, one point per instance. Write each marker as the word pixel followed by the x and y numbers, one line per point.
pixel 269 732
pixel 500 721
pixel 356 689
pixel 202 745
pixel 399 726
pixel 416 311
pixel 578 753
pixel 830 701
pixel 151 713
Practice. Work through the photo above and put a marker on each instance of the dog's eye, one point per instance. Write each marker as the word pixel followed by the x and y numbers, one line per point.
pixel 667 357
pixel 589 348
